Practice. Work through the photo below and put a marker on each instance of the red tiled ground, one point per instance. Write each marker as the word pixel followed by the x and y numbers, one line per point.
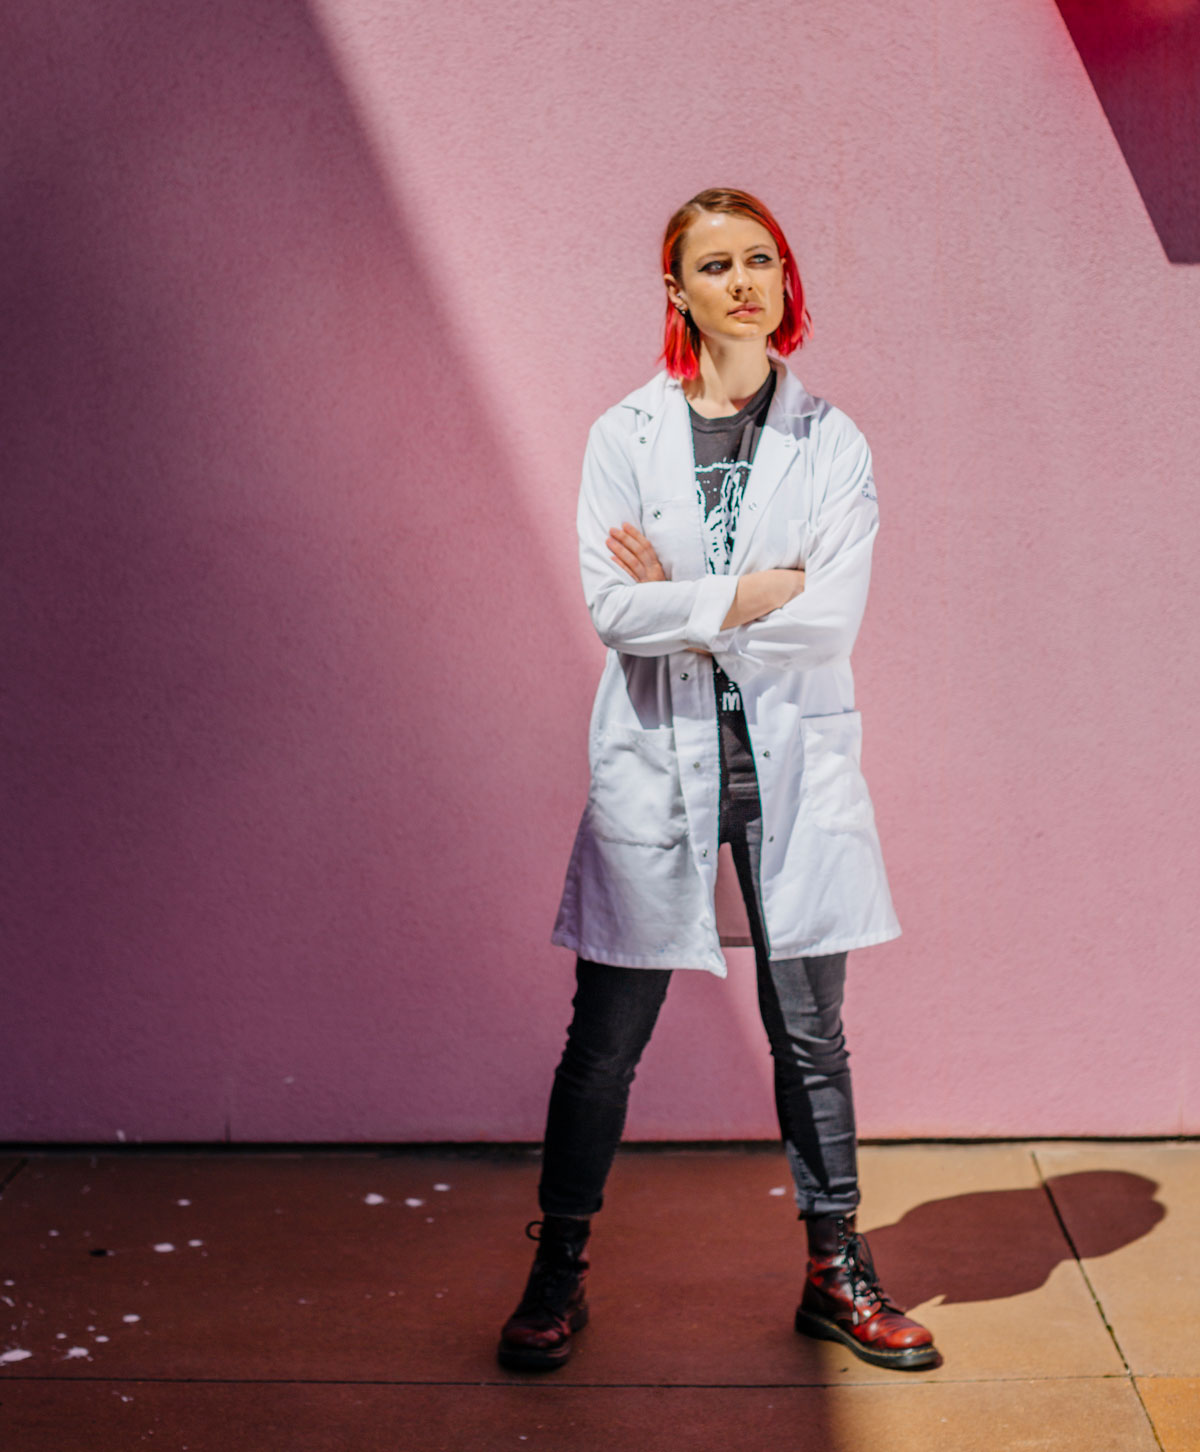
pixel 352 1300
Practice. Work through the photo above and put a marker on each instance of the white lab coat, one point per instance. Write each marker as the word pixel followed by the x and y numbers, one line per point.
pixel 639 887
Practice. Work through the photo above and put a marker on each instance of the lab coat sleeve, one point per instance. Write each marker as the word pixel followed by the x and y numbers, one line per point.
pixel 655 617
pixel 820 625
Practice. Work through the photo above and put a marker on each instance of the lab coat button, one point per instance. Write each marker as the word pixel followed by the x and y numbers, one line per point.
pixel 658 514
pixel 766 753
pixel 704 852
pixel 641 438
pixel 684 676
pixel 695 766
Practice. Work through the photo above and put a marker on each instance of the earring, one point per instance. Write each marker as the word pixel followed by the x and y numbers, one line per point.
pixel 681 307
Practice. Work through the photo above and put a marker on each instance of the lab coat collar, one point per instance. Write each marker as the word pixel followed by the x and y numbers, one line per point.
pixel 791 399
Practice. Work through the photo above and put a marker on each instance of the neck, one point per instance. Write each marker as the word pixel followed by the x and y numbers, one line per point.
pixel 730 373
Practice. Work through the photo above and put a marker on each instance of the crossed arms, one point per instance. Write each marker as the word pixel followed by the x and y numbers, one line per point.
pixel 779 619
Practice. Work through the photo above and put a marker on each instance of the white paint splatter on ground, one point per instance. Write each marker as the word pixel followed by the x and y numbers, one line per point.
pixel 101 1338
pixel 121 1135
pixel 374 1199
pixel 441 1187
pixel 7 1356
pixel 60 1335
pixel 778 1190
pixel 131 1318
pixel 51 1232
pixel 75 1352
pixel 413 1201
pixel 194 1243
pixel 8 1300
pixel 183 1202
pixel 10 1283
pixel 429 1220
pixel 163 1246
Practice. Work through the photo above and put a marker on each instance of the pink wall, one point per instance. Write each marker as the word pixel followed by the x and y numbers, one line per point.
pixel 307 311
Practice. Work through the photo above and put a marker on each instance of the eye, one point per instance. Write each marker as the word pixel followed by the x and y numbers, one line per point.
pixel 716 265
pixel 762 257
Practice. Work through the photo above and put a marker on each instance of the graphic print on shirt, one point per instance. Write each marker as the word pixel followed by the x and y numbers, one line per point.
pixel 722 451
pixel 721 486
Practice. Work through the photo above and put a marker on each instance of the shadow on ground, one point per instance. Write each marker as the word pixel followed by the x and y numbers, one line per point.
pixel 993 1244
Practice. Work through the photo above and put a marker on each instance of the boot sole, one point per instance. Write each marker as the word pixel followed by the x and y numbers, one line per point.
pixel 532 1358
pixel 906 1358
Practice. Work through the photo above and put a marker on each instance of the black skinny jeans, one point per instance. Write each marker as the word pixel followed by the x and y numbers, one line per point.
pixel 615 1010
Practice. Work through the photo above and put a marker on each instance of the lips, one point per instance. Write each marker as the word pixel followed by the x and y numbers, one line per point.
pixel 744 311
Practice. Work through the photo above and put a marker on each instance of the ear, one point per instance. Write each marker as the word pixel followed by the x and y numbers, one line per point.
pixel 674 295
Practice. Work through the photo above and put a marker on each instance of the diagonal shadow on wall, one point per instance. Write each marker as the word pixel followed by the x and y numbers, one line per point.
pixel 282 705
pixel 1143 58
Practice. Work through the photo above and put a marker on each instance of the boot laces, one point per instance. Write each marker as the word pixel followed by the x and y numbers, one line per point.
pixel 554 1276
pixel 551 1285
pixel 864 1281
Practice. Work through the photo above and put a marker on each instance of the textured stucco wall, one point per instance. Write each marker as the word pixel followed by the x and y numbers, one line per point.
pixel 307 311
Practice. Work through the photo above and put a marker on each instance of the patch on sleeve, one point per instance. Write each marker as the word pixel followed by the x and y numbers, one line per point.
pixel 868 488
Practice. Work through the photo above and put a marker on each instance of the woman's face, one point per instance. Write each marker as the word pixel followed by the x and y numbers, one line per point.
pixel 731 278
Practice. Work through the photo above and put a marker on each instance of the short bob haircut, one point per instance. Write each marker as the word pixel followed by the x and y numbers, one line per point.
pixel 681 337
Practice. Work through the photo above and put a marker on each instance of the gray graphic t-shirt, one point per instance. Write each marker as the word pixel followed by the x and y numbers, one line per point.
pixel 724 451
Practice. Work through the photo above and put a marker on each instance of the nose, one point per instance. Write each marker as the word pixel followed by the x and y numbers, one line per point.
pixel 739 278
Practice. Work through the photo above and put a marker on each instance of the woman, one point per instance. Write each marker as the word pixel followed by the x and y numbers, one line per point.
pixel 726 523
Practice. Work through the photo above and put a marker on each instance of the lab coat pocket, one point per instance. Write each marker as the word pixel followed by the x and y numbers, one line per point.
pixel 833 791
pixel 635 795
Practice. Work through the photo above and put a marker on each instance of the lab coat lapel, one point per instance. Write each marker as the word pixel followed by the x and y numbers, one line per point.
pixel 772 459
pixel 667 482
pixel 669 472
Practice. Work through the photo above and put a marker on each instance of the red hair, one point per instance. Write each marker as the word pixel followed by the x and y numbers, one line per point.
pixel 681 337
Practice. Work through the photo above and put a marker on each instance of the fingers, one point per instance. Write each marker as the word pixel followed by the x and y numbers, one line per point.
pixel 634 553
pixel 623 555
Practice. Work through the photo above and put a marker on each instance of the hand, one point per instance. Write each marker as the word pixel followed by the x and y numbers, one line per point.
pixel 635 554
pixel 760 593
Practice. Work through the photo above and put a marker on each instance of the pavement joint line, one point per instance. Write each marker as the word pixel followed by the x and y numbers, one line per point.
pixel 518 1150
pixel 906 1379
pixel 1087 1280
